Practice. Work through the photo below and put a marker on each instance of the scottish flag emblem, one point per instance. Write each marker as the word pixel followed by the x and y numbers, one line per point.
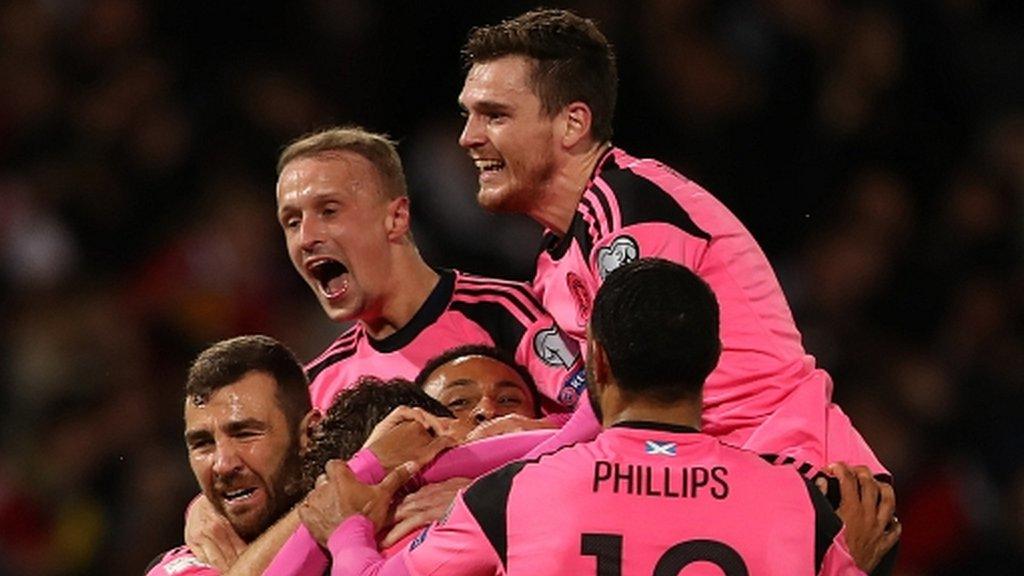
pixel 660 448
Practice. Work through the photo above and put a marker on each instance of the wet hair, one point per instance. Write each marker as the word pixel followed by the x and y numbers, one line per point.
pixel 353 415
pixel 228 361
pixel 658 323
pixel 572 61
pixel 379 149
pixel 487 352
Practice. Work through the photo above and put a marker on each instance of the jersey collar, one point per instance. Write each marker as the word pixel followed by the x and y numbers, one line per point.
pixel 428 313
pixel 660 426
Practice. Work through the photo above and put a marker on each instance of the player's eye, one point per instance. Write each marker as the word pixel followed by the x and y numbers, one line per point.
pixel 200 445
pixel 458 404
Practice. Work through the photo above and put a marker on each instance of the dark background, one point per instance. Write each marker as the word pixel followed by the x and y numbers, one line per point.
pixel 876 149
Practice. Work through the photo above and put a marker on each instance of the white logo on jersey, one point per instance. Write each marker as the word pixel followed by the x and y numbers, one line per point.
pixel 622 250
pixel 550 346
pixel 179 565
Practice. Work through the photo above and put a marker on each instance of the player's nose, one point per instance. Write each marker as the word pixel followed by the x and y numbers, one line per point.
pixel 226 460
pixel 485 410
pixel 472 132
pixel 310 233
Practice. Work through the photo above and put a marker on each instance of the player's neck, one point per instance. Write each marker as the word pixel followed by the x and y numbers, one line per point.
pixel 683 413
pixel 413 281
pixel 556 208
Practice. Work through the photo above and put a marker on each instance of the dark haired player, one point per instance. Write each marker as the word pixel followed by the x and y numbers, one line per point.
pixel 485 388
pixel 247 420
pixel 539 97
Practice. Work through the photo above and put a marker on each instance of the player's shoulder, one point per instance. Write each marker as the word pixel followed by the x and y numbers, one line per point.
pixel 502 296
pixel 487 497
pixel 179 561
pixel 628 191
pixel 343 347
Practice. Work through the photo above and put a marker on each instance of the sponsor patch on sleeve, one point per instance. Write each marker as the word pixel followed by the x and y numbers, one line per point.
pixel 620 252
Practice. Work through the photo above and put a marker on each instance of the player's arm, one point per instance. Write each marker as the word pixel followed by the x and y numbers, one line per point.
pixel 647 240
pixel 288 548
pixel 210 536
pixel 453 545
pixel 862 533
pixel 282 550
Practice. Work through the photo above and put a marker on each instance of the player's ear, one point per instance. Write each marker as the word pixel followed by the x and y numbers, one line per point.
pixel 600 369
pixel 306 427
pixel 397 220
pixel 577 120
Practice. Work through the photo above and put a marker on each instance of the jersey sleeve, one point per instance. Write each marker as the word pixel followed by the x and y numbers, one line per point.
pixel 480 457
pixel 554 360
pixel 646 240
pixel 517 323
pixel 453 545
pixel 581 427
pixel 180 562
pixel 300 556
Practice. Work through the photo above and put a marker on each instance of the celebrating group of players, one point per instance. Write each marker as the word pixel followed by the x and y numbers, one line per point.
pixel 643 406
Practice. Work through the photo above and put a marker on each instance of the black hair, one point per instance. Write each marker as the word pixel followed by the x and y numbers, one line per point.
pixel 227 361
pixel 658 323
pixel 572 61
pixel 488 352
pixel 353 415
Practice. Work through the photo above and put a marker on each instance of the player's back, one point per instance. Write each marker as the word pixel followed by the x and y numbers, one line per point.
pixel 649 499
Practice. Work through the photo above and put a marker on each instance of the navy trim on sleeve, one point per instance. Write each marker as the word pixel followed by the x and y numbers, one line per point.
pixel 641 200
pixel 487 500
pixel 826 524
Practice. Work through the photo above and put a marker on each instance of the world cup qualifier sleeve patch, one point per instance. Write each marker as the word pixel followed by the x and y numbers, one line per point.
pixel 551 347
pixel 620 252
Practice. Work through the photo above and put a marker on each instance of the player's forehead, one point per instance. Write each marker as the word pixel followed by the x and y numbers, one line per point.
pixel 480 369
pixel 504 80
pixel 253 399
pixel 331 173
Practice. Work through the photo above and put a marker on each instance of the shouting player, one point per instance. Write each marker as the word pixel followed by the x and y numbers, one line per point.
pixel 342 203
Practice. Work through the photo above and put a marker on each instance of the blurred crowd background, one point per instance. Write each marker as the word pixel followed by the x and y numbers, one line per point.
pixel 876 150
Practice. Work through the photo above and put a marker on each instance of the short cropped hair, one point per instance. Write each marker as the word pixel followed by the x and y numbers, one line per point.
pixel 379 149
pixel 573 61
pixel 658 323
pixel 353 415
pixel 488 352
pixel 228 361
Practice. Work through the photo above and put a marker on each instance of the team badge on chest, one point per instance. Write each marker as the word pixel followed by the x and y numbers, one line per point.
pixel 581 296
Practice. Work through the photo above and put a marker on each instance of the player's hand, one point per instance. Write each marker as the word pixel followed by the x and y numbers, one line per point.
pixel 339 495
pixel 435 424
pixel 423 507
pixel 409 434
pixel 210 536
pixel 867 508
pixel 507 424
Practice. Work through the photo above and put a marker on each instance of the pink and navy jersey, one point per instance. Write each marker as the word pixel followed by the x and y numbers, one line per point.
pixel 643 498
pixel 180 562
pixel 766 393
pixel 462 309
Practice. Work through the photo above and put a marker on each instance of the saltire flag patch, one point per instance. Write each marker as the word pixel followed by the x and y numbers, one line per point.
pixel 660 448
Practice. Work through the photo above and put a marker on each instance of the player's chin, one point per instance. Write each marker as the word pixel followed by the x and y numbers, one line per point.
pixel 497 201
